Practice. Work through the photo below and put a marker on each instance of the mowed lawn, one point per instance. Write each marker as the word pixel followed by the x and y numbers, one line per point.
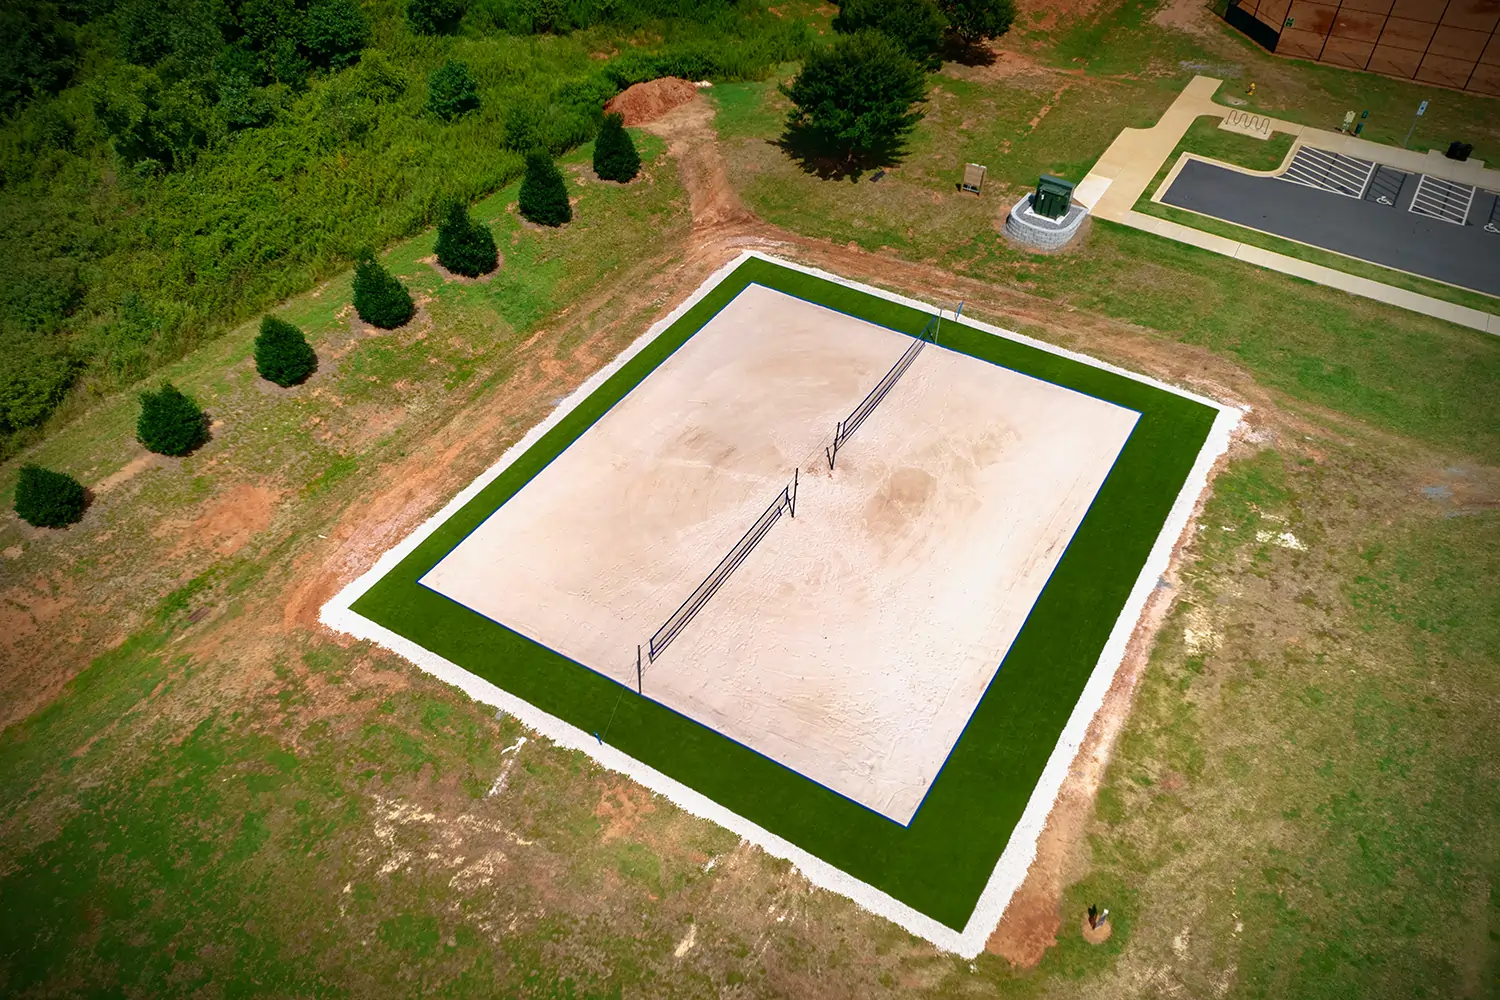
pixel 229 801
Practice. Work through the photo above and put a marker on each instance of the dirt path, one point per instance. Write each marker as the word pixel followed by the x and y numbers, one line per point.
pixel 692 142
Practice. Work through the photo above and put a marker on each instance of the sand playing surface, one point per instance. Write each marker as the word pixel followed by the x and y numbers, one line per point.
pixel 855 641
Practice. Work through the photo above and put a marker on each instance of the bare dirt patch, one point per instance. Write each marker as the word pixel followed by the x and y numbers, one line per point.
pixel 646 102
pixel 1008 64
pixel 129 471
pixel 228 523
pixel 621 808
pixel 1049 14
pixel 1191 16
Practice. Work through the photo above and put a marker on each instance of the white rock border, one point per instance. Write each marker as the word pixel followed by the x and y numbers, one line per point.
pixel 1010 870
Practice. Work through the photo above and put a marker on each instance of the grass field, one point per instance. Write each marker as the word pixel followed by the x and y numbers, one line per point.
pixel 204 794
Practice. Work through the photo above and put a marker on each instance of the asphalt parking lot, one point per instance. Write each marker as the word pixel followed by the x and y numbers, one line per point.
pixel 1410 221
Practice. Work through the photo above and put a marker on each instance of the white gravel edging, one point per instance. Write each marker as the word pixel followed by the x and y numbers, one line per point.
pixel 1010 870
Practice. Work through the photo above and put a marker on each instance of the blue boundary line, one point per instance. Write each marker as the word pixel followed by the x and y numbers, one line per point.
pixel 998 667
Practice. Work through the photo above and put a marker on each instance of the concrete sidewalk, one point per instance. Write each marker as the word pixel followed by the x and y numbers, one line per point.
pixel 1126 169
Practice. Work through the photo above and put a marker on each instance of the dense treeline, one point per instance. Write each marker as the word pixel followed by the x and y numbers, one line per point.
pixel 170 167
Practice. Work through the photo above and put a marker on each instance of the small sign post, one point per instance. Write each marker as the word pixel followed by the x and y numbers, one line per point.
pixel 973 177
pixel 1421 110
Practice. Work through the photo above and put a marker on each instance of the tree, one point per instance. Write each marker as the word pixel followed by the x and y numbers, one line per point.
pixel 155 126
pixel 451 90
pixel 916 25
pixel 37 53
pixel 48 499
pixel 182 36
pixel 379 298
pixel 544 193
pixel 615 158
pixel 282 353
pixel 526 126
pixel 334 31
pixel 857 95
pixel 975 20
pixel 171 423
pixel 464 246
pixel 433 17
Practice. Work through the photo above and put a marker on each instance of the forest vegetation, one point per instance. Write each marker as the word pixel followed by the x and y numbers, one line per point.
pixel 170 168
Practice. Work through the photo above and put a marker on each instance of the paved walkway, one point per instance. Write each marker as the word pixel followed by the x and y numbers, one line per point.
pixel 1128 166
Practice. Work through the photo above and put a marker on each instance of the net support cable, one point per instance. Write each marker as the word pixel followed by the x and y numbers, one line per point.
pixel 786 501
pixel 845 428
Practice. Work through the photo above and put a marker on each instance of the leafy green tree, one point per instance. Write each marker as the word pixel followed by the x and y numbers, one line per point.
pixel 37 53
pixel 171 423
pixel 265 23
pixel 615 158
pixel 464 246
pixel 282 353
pixel 241 104
pixel 155 126
pixel 451 90
pixel 975 20
pixel 379 298
pixel 544 193
pixel 285 63
pixel 180 36
pixel 916 25
pixel 858 96
pixel 433 17
pixel 49 499
pixel 545 15
pixel 334 31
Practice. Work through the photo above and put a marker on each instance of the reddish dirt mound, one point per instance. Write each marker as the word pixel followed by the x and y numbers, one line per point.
pixel 646 102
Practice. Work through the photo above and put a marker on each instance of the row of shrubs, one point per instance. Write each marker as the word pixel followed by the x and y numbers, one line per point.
pixel 172 423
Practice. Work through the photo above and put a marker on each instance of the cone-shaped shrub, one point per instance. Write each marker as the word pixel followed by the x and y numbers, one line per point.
pixel 48 499
pixel 464 246
pixel 282 353
pixel 544 194
pixel 379 298
pixel 615 158
pixel 170 422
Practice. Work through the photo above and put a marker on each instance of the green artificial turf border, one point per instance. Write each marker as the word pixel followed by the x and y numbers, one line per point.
pixel 940 863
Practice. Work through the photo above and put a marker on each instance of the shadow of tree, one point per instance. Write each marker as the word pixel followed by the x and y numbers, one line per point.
pixel 816 154
pixel 967 52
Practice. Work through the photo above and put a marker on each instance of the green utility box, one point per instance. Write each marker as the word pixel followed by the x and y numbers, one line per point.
pixel 1053 196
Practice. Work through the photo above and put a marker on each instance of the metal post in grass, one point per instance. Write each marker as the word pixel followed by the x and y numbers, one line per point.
pixel 639 688
pixel 1421 110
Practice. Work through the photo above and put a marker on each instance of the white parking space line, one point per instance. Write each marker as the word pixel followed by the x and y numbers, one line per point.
pixel 1318 168
pixel 1440 199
